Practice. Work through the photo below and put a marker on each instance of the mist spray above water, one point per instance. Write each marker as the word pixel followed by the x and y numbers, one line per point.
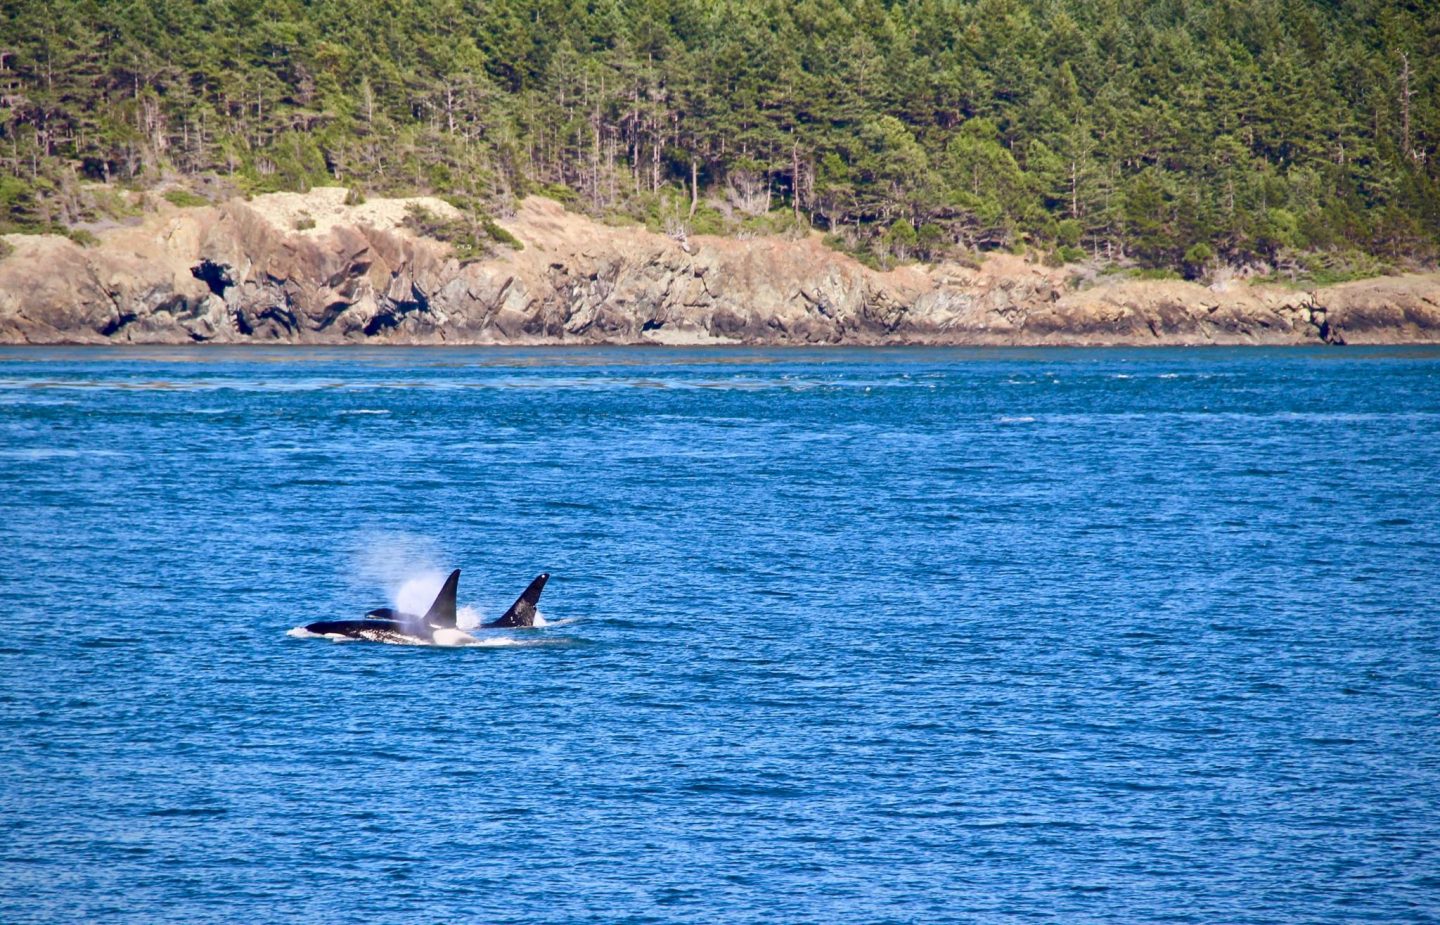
pixel 410 568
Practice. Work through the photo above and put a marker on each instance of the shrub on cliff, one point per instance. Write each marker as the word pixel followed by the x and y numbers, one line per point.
pixel 1197 260
pixel 500 235
pixel 19 210
pixel 462 234
pixel 900 240
pixel 185 199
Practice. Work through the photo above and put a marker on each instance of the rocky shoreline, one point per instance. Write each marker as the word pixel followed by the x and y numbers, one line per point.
pixel 310 269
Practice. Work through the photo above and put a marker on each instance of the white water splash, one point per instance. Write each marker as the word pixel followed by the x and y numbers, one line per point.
pixel 447 638
pixel 417 593
pixel 404 564
pixel 499 642
pixel 444 639
pixel 568 621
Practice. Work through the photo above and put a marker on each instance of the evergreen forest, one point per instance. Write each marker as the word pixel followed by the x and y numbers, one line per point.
pixel 1175 135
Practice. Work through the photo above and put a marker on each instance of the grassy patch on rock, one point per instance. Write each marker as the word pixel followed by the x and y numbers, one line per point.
pixel 472 235
pixel 1327 269
pixel 185 199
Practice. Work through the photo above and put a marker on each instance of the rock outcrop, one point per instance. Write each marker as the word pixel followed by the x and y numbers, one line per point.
pixel 245 272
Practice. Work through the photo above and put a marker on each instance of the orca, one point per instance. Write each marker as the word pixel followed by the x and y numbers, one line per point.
pixel 437 626
pixel 522 612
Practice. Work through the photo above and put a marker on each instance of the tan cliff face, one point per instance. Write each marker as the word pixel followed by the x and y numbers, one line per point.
pixel 241 272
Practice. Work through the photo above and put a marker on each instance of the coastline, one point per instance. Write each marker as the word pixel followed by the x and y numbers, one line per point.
pixel 310 269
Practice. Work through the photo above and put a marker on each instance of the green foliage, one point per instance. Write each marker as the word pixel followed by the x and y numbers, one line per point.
pixel 901 240
pixel 18 208
pixel 708 220
pixel 663 212
pixel 465 233
pixel 467 205
pixel 108 202
pixel 930 241
pixel 462 234
pixel 82 237
pixel 185 199
pixel 1270 131
pixel 847 244
pixel 1197 260
pixel 558 192
pixel 776 222
pixel 1328 268
pixel 1200 254
pixel 1068 232
pixel 500 235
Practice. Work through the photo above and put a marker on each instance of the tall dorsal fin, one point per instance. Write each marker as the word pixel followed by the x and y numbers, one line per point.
pixel 522 612
pixel 442 612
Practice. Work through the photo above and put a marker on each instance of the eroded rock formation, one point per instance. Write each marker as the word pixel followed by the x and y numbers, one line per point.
pixel 241 272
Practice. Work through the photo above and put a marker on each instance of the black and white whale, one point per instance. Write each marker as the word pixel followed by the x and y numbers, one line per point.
pixel 522 612
pixel 438 624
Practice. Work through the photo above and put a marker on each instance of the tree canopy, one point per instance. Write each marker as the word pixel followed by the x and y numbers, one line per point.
pixel 1234 130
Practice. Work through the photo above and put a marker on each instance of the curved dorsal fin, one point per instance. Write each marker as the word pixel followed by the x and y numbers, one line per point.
pixel 442 612
pixel 522 612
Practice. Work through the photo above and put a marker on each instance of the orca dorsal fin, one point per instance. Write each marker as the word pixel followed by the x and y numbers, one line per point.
pixel 442 613
pixel 522 612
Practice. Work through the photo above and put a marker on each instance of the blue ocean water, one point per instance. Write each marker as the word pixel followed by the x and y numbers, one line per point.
pixel 841 636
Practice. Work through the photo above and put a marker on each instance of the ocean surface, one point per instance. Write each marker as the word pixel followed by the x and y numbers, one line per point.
pixel 989 636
